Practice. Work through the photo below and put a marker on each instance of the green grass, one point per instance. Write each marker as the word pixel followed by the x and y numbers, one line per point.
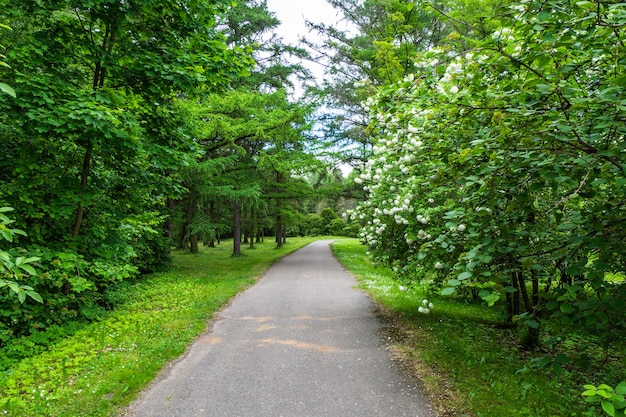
pixel 470 364
pixel 103 365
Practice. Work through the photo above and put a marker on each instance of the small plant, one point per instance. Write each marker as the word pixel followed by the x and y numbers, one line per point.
pixel 12 268
pixel 611 399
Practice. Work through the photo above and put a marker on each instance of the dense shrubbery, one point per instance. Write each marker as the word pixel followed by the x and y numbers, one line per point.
pixel 327 223
pixel 71 288
pixel 500 167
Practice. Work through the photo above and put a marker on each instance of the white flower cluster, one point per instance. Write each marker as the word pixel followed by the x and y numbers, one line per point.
pixel 503 35
pixel 426 307
pixel 458 229
pixel 446 83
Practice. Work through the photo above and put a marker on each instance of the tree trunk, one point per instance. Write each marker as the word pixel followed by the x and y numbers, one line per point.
pixel 279 233
pixel 279 229
pixel 237 229
pixel 182 237
pixel 253 227
pixel 535 282
pixel 193 243
pixel 524 292
pixel 98 82
pixel 516 303
pixel 84 176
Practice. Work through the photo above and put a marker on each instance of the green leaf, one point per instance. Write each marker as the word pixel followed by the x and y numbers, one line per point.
pixel 448 291
pixel 454 282
pixel 21 296
pixel 533 324
pixel 7 89
pixel 544 15
pixel 566 308
pixel 608 407
pixel 35 296
pixel 586 5
pixel 464 275
pixel 489 296
pixel 6 234
pixel 621 388
pixel 28 269
pixel 14 287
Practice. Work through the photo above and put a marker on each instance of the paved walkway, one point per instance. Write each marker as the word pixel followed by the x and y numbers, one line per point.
pixel 302 342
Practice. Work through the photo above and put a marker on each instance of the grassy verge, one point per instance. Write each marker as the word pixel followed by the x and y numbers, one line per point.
pixel 469 363
pixel 102 366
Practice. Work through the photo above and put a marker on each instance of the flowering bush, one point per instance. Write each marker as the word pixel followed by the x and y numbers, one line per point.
pixel 502 168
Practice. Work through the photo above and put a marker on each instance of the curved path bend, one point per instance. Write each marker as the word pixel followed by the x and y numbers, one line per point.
pixel 302 342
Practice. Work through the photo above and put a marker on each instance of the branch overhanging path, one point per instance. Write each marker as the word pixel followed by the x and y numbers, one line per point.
pixel 301 342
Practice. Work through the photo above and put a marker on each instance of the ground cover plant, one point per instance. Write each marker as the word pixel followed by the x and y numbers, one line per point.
pixel 96 369
pixel 471 361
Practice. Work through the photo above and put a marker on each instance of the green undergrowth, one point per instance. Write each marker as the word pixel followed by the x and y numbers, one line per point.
pixel 470 362
pixel 96 369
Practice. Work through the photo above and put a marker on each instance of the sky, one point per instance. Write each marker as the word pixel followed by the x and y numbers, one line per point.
pixel 292 14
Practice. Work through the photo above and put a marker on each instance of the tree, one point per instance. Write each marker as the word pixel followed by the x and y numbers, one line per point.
pixel 4 87
pixel 377 48
pixel 103 57
pixel 502 168
pixel 247 123
pixel 94 138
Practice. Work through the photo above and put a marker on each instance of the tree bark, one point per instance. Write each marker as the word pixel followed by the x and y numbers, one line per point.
pixel 279 227
pixel 237 229
pixel 535 282
pixel 84 176
pixel 516 303
pixel 524 292
pixel 193 243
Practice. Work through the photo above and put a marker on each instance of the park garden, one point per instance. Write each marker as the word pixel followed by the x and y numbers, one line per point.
pixel 155 158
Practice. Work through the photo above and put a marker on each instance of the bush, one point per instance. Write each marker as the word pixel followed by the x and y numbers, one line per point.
pixel 71 288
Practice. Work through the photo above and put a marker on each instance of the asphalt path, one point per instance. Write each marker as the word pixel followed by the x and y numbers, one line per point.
pixel 302 342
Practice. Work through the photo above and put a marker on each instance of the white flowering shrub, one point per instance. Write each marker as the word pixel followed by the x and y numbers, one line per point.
pixel 505 165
